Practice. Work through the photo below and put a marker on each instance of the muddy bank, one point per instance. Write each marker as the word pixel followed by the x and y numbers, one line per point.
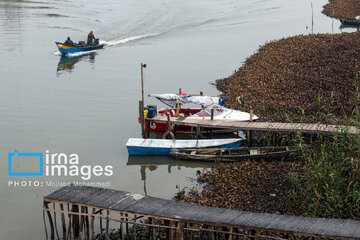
pixel 314 73
pixel 347 9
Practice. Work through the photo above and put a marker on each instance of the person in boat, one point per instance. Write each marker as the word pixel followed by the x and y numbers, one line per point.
pixel 69 42
pixel 91 38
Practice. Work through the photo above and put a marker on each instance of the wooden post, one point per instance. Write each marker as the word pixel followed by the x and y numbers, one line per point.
pixel 63 221
pixel 87 228
pixel 52 232
pixel 154 229
pixel 126 224
pixel 212 233
pixel 134 227
pixel 179 231
pixel 82 219
pixel 46 232
pixel 56 230
pixel 201 93
pixel 122 228
pixel 100 220
pixel 171 231
pixel 76 221
pixel 142 118
pixel 249 132
pixel 92 225
pixel 107 225
pixel 69 220
pixel 167 230
pixel 230 233
pixel 212 114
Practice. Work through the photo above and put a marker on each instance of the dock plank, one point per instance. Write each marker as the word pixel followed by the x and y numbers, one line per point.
pixel 170 209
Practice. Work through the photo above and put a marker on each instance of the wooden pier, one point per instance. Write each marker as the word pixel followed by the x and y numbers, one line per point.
pixel 169 219
pixel 257 126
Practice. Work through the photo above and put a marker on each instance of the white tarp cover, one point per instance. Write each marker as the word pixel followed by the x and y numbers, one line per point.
pixel 172 99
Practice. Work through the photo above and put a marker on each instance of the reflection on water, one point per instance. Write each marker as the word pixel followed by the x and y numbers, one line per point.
pixel 67 63
pixel 153 162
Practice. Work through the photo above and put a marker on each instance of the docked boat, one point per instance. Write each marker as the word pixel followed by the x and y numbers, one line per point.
pixel 350 22
pixel 207 103
pixel 78 47
pixel 143 146
pixel 234 154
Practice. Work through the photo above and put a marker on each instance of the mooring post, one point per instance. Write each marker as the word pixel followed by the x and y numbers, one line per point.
pixel 142 118
pixel 142 100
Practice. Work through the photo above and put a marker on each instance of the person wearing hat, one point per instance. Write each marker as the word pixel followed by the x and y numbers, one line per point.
pixel 68 42
pixel 91 38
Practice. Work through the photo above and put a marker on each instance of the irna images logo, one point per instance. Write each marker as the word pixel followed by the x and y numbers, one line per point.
pixel 53 164
pixel 25 164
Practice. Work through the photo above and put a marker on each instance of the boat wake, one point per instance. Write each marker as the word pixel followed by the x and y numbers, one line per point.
pixel 111 43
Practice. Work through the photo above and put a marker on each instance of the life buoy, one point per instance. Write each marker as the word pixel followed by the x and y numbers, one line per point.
pixel 167 133
pixel 152 125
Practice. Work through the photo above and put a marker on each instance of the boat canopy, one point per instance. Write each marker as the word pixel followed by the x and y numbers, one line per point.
pixel 171 100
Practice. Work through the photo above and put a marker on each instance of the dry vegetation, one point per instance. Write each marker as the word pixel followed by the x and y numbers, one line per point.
pixel 347 9
pixel 295 74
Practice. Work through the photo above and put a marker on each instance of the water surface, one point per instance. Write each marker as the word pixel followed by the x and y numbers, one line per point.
pixel 88 104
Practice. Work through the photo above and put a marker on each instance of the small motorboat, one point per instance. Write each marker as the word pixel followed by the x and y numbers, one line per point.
pixel 147 146
pixel 79 47
pixel 234 154
pixel 351 22
pixel 208 105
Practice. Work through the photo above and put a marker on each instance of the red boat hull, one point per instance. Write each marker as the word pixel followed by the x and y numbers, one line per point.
pixel 162 127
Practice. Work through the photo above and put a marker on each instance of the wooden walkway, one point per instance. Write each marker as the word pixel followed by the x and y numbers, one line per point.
pixel 258 126
pixel 187 216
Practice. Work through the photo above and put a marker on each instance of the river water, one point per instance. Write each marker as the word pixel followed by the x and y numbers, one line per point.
pixel 88 104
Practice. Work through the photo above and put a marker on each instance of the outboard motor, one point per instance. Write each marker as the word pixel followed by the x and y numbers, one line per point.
pixel 152 111
pixel 96 41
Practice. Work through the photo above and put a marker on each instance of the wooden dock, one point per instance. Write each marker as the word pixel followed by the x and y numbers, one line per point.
pixel 258 126
pixel 178 220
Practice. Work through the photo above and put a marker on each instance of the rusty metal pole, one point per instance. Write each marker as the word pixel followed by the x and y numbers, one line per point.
pixel 142 117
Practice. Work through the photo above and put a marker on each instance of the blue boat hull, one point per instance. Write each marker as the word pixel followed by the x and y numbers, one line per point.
pixel 65 49
pixel 350 22
pixel 138 150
